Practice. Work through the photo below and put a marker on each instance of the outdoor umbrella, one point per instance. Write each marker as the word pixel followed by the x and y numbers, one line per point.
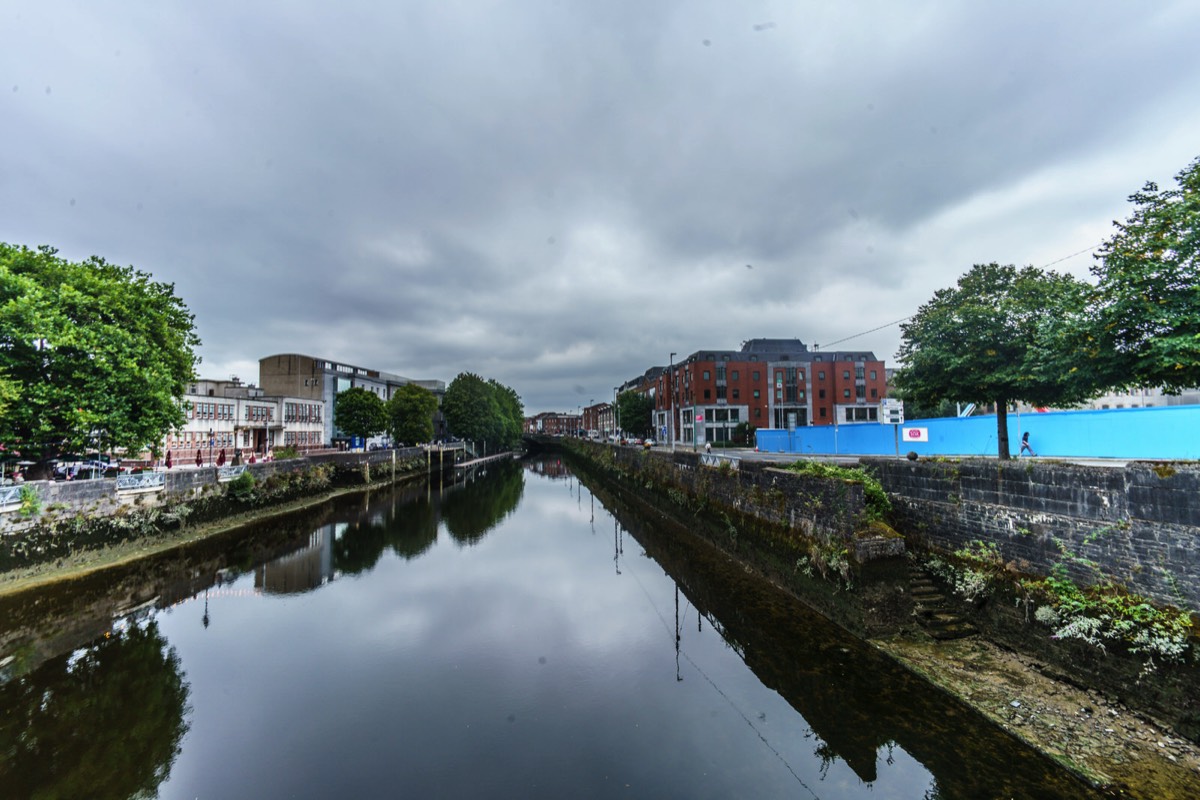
pixel 221 458
pixel 199 457
pixel 168 459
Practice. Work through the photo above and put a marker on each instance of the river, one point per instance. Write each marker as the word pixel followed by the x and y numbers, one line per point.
pixel 524 634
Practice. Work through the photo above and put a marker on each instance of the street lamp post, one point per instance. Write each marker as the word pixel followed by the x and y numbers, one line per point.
pixel 671 404
pixel 210 446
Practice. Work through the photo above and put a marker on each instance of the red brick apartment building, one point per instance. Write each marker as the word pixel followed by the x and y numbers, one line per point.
pixel 769 383
pixel 552 423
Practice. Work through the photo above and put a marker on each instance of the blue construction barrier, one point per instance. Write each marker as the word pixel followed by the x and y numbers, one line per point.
pixel 1168 432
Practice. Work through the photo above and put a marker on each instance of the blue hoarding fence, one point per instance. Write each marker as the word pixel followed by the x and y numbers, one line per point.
pixel 1168 432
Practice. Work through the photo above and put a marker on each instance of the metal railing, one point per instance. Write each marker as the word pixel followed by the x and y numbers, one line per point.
pixel 10 495
pixel 142 481
pixel 225 474
pixel 714 460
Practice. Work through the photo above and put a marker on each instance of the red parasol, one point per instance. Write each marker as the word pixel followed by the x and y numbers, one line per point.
pixel 168 459
pixel 199 457
pixel 221 458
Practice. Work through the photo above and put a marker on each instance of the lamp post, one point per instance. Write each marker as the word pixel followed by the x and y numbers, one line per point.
pixel 671 404
pixel 210 446
pixel 617 416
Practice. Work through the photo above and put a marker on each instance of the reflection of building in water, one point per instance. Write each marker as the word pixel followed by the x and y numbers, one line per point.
pixel 301 570
pixel 551 468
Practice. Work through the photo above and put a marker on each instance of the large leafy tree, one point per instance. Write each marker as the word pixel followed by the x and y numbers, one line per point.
pixel 94 353
pixel 357 412
pixel 1148 309
pixel 634 411
pixel 1000 335
pixel 410 414
pixel 483 411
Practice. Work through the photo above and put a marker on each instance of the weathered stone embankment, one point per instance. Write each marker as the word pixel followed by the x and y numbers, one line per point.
pixel 87 526
pixel 1105 715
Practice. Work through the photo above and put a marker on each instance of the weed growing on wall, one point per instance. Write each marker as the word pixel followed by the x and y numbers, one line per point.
pixel 31 502
pixel 874 497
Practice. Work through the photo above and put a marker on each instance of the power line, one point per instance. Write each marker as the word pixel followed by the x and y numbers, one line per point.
pixel 906 319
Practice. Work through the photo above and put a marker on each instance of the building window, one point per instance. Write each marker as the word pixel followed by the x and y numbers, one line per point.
pixel 845 374
pixel 734 414
pixel 845 393
pixel 707 375
pixel 721 373
pixel 858 373
pixel 721 392
pixel 756 376
pixel 801 374
pixel 736 393
pixel 735 375
pixel 820 394
pixel 822 412
pixel 873 373
pixel 758 412
pixel 757 394
pixel 708 394
pixel 874 393
pixel 821 375
pixel 860 392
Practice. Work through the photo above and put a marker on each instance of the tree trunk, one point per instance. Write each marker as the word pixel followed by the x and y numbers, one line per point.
pixel 1002 429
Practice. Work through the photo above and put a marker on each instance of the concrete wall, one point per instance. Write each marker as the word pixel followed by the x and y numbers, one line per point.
pixel 1138 526
pixel 1131 433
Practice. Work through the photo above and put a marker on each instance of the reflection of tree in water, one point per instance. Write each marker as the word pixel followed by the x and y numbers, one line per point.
pixel 103 722
pixel 471 513
pixel 409 528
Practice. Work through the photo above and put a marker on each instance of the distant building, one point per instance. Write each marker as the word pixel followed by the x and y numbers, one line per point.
pixel 768 383
pixel 1144 398
pixel 320 379
pixel 229 415
pixel 552 423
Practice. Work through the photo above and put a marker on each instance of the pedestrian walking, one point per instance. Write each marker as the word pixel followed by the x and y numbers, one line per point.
pixel 708 447
pixel 1025 445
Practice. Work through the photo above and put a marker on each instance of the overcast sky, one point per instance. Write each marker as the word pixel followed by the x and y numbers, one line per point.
pixel 559 194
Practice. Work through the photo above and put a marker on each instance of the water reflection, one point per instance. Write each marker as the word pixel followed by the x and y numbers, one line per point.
pixel 860 705
pixel 581 646
pixel 103 722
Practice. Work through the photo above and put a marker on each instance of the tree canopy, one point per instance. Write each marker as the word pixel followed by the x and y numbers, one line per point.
pixel 91 354
pixel 357 412
pixel 410 414
pixel 635 413
pixel 1147 330
pixel 1000 335
pixel 483 411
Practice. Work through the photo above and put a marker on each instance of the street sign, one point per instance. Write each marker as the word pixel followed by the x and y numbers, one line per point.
pixel 891 411
pixel 700 416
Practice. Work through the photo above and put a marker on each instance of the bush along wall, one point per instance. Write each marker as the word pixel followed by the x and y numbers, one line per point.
pixel 1088 568
pixel 814 533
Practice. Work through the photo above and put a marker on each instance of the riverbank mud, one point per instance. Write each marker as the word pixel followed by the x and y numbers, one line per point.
pixel 1102 740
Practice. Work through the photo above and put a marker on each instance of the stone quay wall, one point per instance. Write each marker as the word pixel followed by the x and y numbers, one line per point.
pixel 1137 526
pixel 824 509
pixel 100 497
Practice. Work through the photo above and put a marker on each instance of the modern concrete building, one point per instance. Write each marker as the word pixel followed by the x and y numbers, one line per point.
pixel 319 379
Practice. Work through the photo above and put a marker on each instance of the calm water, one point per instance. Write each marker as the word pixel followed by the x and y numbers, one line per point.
pixel 515 637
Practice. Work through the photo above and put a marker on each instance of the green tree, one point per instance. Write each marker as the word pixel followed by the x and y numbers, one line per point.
pixel 1000 335
pixel 57 730
pixel 410 414
pixel 512 414
pixel 93 350
pixel 1147 330
pixel 483 411
pixel 357 412
pixel 635 412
